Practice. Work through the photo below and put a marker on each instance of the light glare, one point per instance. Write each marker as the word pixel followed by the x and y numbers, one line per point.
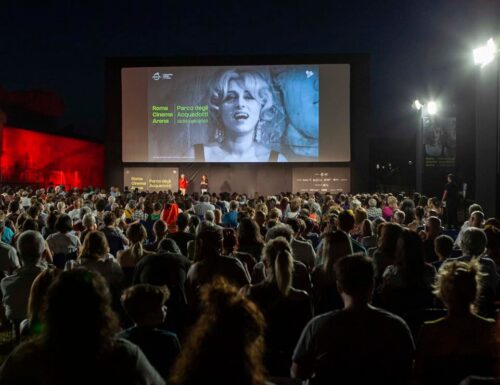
pixel 432 108
pixel 485 54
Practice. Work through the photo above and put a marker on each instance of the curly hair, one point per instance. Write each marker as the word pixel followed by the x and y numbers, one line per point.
pixel 458 283
pixel 226 344
pixel 259 85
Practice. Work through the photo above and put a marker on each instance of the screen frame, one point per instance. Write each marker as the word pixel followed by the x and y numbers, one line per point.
pixel 359 106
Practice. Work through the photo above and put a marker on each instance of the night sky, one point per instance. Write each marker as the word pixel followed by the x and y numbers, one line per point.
pixel 417 48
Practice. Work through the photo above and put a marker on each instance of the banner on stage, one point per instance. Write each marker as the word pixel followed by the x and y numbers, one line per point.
pixel 439 141
pixel 152 179
pixel 322 179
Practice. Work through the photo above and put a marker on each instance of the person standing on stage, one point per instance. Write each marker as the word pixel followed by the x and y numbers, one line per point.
pixel 204 184
pixel 450 198
pixel 183 184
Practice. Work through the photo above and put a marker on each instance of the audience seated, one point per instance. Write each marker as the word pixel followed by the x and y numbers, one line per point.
pixel 78 344
pixel 326 297
pixel 407 284
pixel 210 263
pixel 144 304
pixel 16 287
pixel 226 344
pixel 462 343
pixel 359 344
pixel 288 259
pixel 286 309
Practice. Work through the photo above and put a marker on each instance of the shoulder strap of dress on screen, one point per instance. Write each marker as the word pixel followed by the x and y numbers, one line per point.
pixel 199 152
pixel 273 156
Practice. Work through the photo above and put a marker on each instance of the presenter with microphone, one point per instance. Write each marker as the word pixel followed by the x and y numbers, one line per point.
pixel 183 184
pixel 204 184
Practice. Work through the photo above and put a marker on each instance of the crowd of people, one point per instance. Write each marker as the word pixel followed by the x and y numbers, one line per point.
pixel 132 287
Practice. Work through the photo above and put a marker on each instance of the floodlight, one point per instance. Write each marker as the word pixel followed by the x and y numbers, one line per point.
pixel 432 108
pixel 485 54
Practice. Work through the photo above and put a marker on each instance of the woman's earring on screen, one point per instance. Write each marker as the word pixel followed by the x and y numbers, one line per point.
pixel 219 135
pixel 258 132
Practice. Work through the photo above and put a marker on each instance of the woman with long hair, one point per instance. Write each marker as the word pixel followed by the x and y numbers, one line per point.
pixel 225 346
pixel 244 113
pixel 136 234
pixel 407 284
pixel 78 344
pixel 326 297
pixel 249 238
pixel 286 310
pixel 95 256
pixel 385 255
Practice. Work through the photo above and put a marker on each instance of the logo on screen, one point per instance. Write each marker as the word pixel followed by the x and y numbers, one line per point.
pixel 309 74
pixel 166 76
pixel 156 76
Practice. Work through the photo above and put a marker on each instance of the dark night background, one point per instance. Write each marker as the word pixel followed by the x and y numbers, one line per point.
pixel 417 48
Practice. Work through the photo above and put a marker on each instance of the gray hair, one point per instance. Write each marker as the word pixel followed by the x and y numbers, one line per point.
pixel 203 226
pixel 473 242
pixel 280 230
pixel 209 216
pixel 30 246
pixel 88 220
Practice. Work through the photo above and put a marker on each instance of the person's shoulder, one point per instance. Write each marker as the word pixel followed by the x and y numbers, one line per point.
pixel 298 295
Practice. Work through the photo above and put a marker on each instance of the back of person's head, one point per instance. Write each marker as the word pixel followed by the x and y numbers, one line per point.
pixel 473 242
pixel 389 235
pixel 84 211
pixel 144 303
pixel 78 320
pixel 34 211
pixel 233 205
pixel 493 237
pixel 95 245
pixel 88 220
pixel 410 255
pixel 136 233
pixel 225 346
pixel 13 206
pixel 229 241
pixel 109 218
pixel 160 228
pixel 419 212
pixel 458 284
pixel 476 219
pixel 182 221
pixel 360 215
pixel 443 246
pixel 38 297
pixel 366 228
pixel 346 221
pixel 280 230
pixel 30 224
pixel 30 246
pixel 209 216
pixel 208 243
pixel 100 204
pixel 399 217
pixel 248 232
pixel 372 203
pixel 279 263
pixel 169 246
pixel 355 276
pixel 474 207
pixel 433 225
pixel 64 224
pixel 335 246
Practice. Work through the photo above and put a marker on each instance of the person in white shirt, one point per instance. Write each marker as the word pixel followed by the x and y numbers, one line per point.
pixel 16 287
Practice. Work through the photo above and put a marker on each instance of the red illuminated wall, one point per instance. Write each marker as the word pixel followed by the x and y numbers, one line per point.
pixel 38 158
